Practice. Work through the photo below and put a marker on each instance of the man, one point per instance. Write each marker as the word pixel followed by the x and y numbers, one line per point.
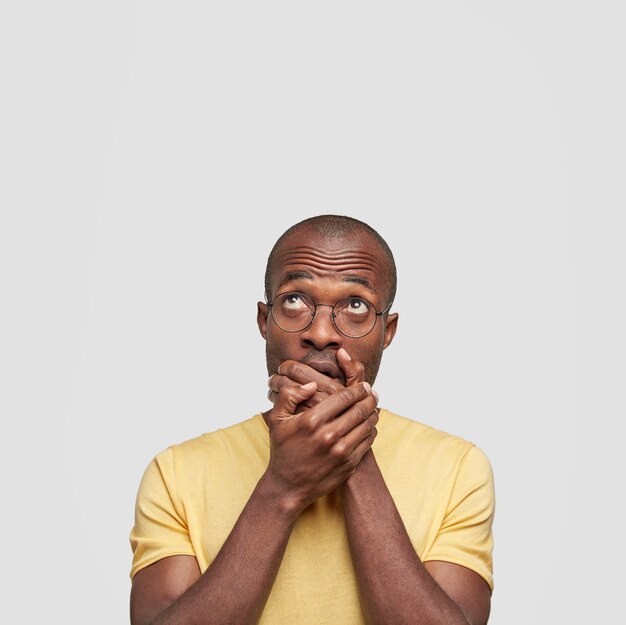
pixel 303 514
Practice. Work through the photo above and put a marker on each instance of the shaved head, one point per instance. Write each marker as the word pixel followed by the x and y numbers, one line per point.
pixel 335 227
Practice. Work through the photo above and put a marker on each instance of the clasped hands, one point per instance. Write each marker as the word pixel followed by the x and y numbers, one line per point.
pixel 319 428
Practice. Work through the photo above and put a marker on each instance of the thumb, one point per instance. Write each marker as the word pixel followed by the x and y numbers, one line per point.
pixel 353 369
pixel 289 398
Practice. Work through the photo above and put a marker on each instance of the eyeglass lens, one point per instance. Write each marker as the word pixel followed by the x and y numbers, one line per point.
pixel 293 312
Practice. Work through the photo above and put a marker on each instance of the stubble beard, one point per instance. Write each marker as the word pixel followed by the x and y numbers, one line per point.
pixel 274 360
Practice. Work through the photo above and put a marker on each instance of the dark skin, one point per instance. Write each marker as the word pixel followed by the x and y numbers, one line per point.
pixel 390 574
pixel 322 426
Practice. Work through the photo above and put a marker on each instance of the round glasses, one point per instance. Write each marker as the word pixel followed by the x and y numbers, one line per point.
pixel 353 317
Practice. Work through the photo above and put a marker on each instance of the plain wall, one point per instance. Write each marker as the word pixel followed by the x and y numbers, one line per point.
pixel 152 152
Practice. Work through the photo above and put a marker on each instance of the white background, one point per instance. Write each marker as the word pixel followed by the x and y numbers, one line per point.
pixel 151 153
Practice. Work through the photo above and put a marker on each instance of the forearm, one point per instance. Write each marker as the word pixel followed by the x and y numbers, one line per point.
pixel 394 586
pixel 236 585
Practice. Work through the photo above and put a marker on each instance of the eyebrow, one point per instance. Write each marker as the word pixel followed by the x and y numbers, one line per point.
pixel 362 281
pixel 292 276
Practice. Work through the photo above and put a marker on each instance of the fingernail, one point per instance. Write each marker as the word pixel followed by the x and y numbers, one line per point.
pixel 345 351
pixel 367 387
pixel 375 394
pixel 269 380
pixel 308 386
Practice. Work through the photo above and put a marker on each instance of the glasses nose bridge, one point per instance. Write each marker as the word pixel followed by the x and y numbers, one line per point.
pixel 311 326
pixel 332 315
pixel 332 306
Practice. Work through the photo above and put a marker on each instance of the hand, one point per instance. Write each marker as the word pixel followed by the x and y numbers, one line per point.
pixel 313 451
pixel 294 373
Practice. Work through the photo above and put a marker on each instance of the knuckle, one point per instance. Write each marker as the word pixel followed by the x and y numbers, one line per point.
pixel 361 412
pixel 295 371
pixel 371 403
pixel 345 397
pixel 287 396
pixel 277 382
pixel 339 450
pixel 287 391
pixel 328 437
pixel 311 423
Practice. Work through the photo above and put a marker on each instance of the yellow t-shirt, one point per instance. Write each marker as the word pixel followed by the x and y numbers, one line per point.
pixel 191 495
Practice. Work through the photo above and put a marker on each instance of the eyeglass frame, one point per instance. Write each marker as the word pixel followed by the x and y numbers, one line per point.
pixel 332 315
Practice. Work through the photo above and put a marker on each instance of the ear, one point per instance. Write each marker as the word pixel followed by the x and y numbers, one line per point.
pixel 261 318
pixel 391 325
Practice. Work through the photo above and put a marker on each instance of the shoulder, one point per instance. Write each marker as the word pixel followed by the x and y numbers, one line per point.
pixel 416 448
pixel 251 431
pixel 407 433
pixel 245 444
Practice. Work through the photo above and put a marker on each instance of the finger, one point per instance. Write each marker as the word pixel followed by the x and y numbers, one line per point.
pixel 301 373
pixel 363 447
pixel 359 433
pixel 350 450
pixel 338 428
pixel 353 369
pixel 289 398
pixel 344 399
pixel 276 382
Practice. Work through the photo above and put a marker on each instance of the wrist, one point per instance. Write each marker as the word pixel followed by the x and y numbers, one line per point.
pixel 364 473
pixel 276 497
pixel 367 464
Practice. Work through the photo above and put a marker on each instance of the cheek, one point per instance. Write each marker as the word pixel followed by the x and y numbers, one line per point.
pixel 366 349
pixel 272 360
pixel 369 354
pixel 280 347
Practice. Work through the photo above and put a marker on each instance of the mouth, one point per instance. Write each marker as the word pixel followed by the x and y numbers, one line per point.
pixel 326 367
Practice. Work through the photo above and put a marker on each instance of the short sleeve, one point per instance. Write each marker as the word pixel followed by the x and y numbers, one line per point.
pixel 160 528
pixel 465 536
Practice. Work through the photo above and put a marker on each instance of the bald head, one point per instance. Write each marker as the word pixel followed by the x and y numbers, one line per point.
pixel 336 227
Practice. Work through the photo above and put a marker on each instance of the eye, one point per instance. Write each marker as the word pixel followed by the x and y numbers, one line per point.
pixel 357 306
pixel 293 301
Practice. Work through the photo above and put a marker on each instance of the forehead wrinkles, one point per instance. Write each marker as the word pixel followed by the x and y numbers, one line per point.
pixel 340 260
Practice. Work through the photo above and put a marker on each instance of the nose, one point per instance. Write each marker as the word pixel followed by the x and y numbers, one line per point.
pixel 322 332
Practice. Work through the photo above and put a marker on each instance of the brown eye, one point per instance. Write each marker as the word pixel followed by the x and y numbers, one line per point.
pixel 293 301
pixel 357 306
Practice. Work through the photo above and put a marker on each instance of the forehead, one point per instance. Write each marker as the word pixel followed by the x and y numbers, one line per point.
pixel 355 257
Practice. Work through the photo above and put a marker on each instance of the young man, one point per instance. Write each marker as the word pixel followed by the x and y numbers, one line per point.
pixel 326 508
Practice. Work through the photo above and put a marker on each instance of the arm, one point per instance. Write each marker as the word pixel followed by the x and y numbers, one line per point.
pixel 173 591
pixel 395 586
pixel 312 452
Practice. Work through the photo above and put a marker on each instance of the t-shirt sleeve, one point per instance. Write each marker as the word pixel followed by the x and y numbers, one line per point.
pixel 160 528
pixel 465 536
